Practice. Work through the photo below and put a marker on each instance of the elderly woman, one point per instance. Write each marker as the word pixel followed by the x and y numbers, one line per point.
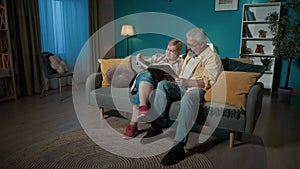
pixel 145 83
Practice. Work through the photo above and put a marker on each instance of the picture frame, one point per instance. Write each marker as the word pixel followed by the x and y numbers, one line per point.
pixel 226 5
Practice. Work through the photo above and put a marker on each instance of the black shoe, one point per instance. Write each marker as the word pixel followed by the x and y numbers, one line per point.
pixel 175 155
pixel 148 138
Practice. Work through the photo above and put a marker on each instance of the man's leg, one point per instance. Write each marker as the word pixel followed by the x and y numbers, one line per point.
pixel 165 93
pixel 189 108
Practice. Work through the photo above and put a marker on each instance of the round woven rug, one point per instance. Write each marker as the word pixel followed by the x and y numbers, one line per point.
pixel 77 150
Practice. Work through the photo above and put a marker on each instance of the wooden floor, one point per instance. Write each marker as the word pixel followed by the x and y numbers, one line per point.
pixel 276 144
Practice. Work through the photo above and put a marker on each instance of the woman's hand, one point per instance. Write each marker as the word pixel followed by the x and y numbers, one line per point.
pixel 138 57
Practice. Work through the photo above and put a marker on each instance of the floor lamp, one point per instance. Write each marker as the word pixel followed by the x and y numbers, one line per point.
pixel 127 30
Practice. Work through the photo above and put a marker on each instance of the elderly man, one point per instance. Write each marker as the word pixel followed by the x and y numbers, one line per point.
pixel 199 72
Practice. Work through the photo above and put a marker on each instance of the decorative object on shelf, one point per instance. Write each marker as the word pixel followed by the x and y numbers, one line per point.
pixel 127 31
pixel 245 50
pixel 226 5
pixel 267 62
pixel 259 49
pixel 262 33
pixel 286 37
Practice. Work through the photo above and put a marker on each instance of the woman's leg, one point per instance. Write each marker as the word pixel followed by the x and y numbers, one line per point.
pixel 134 115
pixel 144 86
pixel 145 89
pixel 131 128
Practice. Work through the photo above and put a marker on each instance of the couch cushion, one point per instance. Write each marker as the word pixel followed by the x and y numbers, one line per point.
pixel 112 98
pixel 119 76
pixel 105 64
pixel 236 86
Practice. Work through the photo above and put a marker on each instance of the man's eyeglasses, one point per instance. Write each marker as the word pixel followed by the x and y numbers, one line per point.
pixel 192 45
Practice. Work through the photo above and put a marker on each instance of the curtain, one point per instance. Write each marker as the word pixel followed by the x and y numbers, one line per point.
pixel 94 16
pixel 101 29
pixel 95 23
pixel 87 61
pixel 64 29
pixel 23 16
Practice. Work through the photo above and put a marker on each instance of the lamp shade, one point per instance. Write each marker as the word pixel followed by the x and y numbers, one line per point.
pixel 127 30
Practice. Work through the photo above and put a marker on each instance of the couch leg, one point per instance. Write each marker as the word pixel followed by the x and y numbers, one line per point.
pixel 231 139
pixel 101 111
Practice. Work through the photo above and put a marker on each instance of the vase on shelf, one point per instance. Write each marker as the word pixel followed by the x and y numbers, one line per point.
pixel 259 49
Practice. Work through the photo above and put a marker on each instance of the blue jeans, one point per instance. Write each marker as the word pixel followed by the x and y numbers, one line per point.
pixel 143 77
pixel 168 92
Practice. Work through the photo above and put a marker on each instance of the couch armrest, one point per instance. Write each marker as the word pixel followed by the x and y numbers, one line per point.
pixel 92 82
pixel 254 104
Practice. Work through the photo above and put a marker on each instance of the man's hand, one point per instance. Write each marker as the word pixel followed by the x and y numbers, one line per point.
pixel 181 81
pixel 189 82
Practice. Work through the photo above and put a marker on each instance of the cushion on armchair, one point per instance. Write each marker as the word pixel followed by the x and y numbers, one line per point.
pixel 58 64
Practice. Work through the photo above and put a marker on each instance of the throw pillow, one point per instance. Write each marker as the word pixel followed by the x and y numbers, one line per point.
pixel 105 64
pixel 236 86
pixel 234 65
pixel 58 64
pixel 119 76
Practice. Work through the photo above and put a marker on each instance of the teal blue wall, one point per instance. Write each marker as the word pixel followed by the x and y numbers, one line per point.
pixel 222 27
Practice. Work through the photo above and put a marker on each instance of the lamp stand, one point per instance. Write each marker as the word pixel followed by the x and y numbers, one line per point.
pixel 127 45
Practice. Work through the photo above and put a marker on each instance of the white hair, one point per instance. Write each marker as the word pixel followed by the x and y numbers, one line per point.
pixel 198 35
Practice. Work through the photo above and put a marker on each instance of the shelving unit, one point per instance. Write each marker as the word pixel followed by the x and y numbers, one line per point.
pixel 253 20
pixel 7 78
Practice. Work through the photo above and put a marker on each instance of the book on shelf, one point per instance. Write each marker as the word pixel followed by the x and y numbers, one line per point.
pixel 250 16
pixel 159 72
pixel 246 31
pixel 245 16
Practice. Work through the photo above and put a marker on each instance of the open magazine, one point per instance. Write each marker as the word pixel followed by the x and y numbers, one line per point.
pixel 159 72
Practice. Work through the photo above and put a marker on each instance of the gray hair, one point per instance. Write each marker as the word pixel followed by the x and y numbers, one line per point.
pixel 198 35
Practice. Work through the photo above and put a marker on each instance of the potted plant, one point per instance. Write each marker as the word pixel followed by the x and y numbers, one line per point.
pixel 266 62
pixel 262 33
pixel 286 39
